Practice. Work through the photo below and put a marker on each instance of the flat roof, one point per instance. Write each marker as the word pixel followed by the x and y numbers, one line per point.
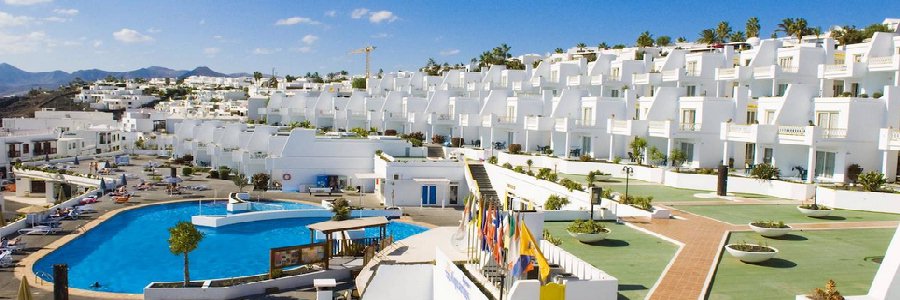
pixel 332 226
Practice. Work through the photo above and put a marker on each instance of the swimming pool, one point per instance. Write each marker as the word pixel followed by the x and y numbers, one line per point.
pixel 130 250
pixel 218 207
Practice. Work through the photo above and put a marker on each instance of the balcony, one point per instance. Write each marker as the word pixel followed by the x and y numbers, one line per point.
pixel 689 127
pixel 658 128
pixel 836 71
pixel 831 133
pixel 626 127
pixel 440 119
pixel 495 120
pixel 766 72
pixel 538 81
pixel 520 86
pixel 647 78
pixel 750 133
pixel 393 116
pixel 796 135
pixel 576 80
pixel 357 115
pixel 604 79
pixel 884 63
pixel 538 123
pixel 671 75
pixel 889 139
pixel 258 155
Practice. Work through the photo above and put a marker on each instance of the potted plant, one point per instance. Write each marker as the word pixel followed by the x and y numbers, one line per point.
pixel 587 231
pixel 770 228
pixel 751 253
pixel 814 210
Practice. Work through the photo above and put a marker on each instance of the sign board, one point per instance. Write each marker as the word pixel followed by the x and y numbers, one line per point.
pixel 450 282
pixel 596 195
pixel 292 256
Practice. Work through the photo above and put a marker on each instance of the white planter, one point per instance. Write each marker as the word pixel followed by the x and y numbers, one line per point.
pixel 770 232
pixel 814 212
pixel 751 257
pixel 589 237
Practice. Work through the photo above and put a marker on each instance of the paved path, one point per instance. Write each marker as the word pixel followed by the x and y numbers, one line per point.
pixel 703 239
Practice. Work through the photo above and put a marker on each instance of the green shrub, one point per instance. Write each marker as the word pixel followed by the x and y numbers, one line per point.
pixel 492 160
pixel 415 142
pixel 555 202
pixel 187 171
pixel 550 238
pixel 765 172
pixel 638 145
pixel 640 202
pixel 616 159
pixel 864 95
pixel 585 158
pixel 846 94
pixel 871 181
pixel 586 226
pixel 519 169
pixel 214 174
pixel 877 95
pixel 438 139
pixel 341 209
pixel 515 148
pixel 571 185
pixel 507 165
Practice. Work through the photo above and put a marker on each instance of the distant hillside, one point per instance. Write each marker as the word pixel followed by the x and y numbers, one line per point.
pixel 14 80
pixel 26 105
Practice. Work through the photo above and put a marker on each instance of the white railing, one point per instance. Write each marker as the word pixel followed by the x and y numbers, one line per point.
pixel 258 155
pixel 689 127
pixel 762 71
pixel 585 123
pixel 532 122
pixel 573 80
pixel 621 124
pixel 464 120
pixel 792 130
pixel 506 119
pixel 670 74
pixel 894 134
pixel 740 129
pixel 790 69
pixel 727 72
pixel 6 132
pixel 830 69
pixel 834 133
pixel 641 78
pixel 657 126
pixel 881 60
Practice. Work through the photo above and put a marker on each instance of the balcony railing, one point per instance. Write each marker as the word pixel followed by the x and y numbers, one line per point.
pixel 895 135
pixel 739 129
pixel 670 74
pixel 833 69
pixel 620 124
pixel 642 78
pixel 506 119
pixel 790 69
pixel 727 72
pixel 834 133
pixel 689 127
pixel 792 130
pixel 881 60
pixel 762 71
pixel 258 155
pixel 585 123
pixel 660 127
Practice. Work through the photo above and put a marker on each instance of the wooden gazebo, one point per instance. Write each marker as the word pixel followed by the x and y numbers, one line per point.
pixel 329 227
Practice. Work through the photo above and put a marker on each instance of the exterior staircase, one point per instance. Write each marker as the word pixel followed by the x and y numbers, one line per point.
pixel 435 151
pixel 483 181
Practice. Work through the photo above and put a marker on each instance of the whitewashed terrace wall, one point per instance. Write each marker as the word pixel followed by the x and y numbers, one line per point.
pixel 243 290
pixel 594 283
pixel 870 201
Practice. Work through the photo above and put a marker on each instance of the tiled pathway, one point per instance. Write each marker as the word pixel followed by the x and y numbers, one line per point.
pixel 703 237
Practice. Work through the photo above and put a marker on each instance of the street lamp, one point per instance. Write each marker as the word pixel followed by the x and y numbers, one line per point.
pixel 628 172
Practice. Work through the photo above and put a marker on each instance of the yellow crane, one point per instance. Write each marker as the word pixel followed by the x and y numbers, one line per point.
pixel 366 50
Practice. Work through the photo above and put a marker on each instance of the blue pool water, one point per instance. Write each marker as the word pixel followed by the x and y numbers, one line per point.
pixel 130 250
pixel 219 207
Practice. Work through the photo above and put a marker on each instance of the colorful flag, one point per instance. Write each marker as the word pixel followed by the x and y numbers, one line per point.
pixel 529 246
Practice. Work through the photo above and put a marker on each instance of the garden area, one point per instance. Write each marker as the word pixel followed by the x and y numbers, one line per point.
pixel 635 258
pixel 806 260
pixel 659 192
pixel 740 214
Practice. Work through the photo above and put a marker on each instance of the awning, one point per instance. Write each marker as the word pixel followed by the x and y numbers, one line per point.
pixel 367 176
pixel 332 226
pixel 431 180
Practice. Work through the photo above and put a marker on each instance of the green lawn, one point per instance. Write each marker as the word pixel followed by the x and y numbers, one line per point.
pixel 803 263
pixel 637 259
pixel 743 214
pixel 660 193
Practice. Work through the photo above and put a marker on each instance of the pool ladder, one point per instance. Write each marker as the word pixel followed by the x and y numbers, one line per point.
pixel 41 277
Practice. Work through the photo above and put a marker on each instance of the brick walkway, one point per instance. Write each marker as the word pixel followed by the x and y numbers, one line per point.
pixel 703 240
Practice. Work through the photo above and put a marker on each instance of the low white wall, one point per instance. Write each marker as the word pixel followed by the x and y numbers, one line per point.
pixel 525 186
pixel 594 283
pixel 220 220
pixel 14 227
pixel 243 290
pixel 870 201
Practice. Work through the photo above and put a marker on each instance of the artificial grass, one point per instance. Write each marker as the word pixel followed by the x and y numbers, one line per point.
pixel 635 258
pixel 660 193
pixel 746 213
pixel 805 261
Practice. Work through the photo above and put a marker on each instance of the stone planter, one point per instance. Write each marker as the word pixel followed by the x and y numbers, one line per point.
pixel 771 232
pixel 589 237
pixel 751 257
pixel 814 212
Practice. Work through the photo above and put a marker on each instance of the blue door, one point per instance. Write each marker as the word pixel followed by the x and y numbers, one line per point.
pixel 429 195
pixel 424 195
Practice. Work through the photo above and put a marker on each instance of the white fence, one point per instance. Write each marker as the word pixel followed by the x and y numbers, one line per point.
pixel 242 290
pixel 870 201
pixel 592 284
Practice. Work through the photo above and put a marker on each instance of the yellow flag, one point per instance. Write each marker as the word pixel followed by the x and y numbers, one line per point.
pixel 529 246
pixel 553 291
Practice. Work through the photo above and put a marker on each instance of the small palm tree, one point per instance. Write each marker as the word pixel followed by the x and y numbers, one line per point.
pixel 558 50
pixel 663 40
pixel 184 238
pixel 645 40
pixel 529 163
pixel 581 47
pixel 708 36
pixel 240 180
pixel 752 27
pixel 723 31
pixel 737 36
pixel 602 45
pixel 591 177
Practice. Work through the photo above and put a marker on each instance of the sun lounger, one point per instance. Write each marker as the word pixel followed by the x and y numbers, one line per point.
pixel 41 229
pixel 12 246
pixel 85 208
pixel 6 259
pixel 122 199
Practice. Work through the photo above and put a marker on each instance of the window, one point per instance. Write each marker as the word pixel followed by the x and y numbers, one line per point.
pixel 554 75
pixel 691 90
pixel 585 145
pixel 504 79
pixel 749 153
pixel 451 109
pixel 615 73
pixel 827 119
pixel 688 116
pixel 824 164
pixel 768 153
pixel 692 68
pixel 510 112
pixel 25 149
pixel 587 116
pixel 857 57
pixel 782 88
pixel 786 62
pixel 770 117
pixel 837 88
pixel 688 150
pixel 751 116
pixel 747 62
pixel 614 93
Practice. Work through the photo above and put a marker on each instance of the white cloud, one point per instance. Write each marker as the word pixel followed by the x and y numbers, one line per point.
pixel 25 43
pixel 126 35
pixel 296 20
pixel 265 51
pixel 66 11
pixel 331 13
pixel 359 13
pixel 154 30
pixel 305 49
pixel 211 51
pixel 25 2
pixel 55 19
pixel 309 39
pixel 382 16
pixel 381 35
pixel 449 52
pixel 8 20
pixel 97 43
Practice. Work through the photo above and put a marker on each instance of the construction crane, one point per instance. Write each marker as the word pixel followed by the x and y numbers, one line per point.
pixel 366 50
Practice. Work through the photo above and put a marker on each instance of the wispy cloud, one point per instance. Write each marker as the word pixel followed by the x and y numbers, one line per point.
pixel 154 30
pixel 8 20
pixel 331 13
pixel 66 11
pixel 55 19
pixel 265 51
pixel 305 49
pixel 24 43
pixel 449 52
pixel 97 43
pixel 381 35
pixel 359 13
pixel 309 39
pixel 25 2
pixel 126 35
pixel 297 20
pixel 382 16
pixel 211 51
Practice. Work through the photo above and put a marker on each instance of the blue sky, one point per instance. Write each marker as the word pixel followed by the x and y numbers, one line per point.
pixel 304 36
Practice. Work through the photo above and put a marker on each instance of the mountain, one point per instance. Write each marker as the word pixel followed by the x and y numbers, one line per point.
pixel 14 80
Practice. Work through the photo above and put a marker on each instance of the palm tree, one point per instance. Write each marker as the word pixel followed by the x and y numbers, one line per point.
pixel 681 39
pixel 708 36
pixel 184 238
pixel 558 50
pixel 581 47
pixel 645 40
pixel 737 36
pixel 240 180
pixel 529 163
pixel 257 76
pixel 752 27
pixel 847 34
pixel 723 31
pixel 817 31
pixel 603 45
pixel 663 40
pixel 800 28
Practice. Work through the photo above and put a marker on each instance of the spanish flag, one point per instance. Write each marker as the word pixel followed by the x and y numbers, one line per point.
pixel 529 246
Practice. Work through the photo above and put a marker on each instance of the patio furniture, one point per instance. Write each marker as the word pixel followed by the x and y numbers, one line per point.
pixel 40 229
pixel 6 259
pixel 631 157
pixel 122 199
pixel 575 152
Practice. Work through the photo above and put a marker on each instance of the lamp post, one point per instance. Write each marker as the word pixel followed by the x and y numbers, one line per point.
pixel 628 172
